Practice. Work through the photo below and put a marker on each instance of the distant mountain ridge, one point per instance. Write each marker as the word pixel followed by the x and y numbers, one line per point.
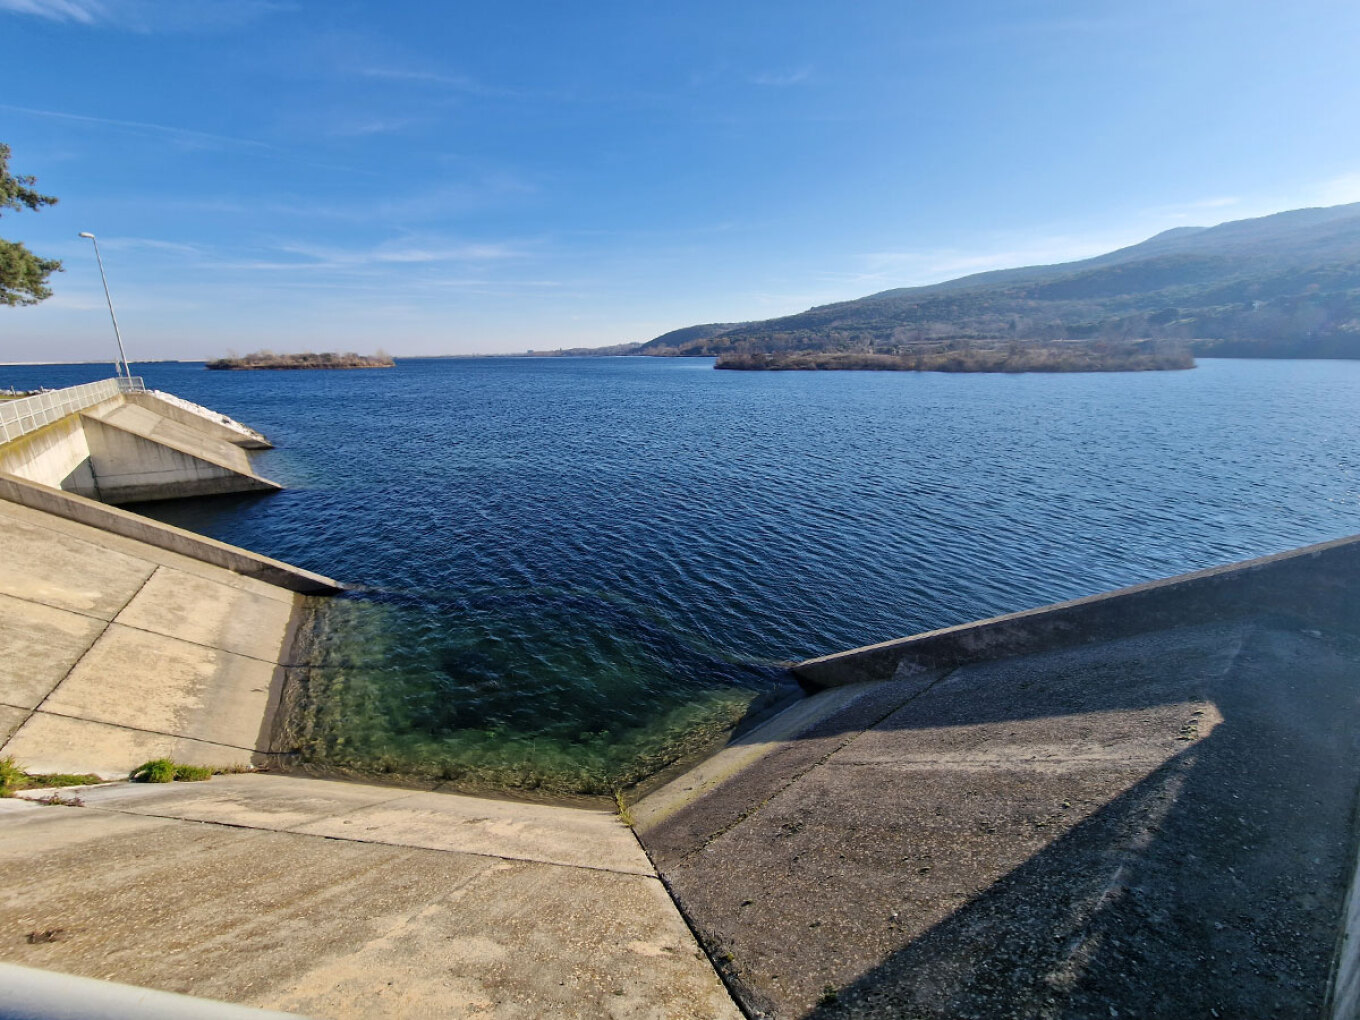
pixel 1284 285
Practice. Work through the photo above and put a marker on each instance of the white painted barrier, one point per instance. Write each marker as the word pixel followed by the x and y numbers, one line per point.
pixel 28 414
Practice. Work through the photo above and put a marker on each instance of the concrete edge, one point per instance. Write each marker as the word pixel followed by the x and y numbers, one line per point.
pixel 265 740
pixel 736 757
pixel 1198 596
pixel 164 536
pixel 1343 985
pixel 154 400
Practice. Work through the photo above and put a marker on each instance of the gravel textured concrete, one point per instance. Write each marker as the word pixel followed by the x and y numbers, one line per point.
pixel 1159 826
pixel 316 897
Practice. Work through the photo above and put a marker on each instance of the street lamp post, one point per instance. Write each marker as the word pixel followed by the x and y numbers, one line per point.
pixel 120 366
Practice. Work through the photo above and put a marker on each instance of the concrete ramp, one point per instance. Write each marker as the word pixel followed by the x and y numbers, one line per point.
pixel 137 454
pixel 1153 826
pixel 349 901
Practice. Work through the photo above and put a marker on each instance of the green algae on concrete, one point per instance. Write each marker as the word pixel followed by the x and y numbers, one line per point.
pixel 368 703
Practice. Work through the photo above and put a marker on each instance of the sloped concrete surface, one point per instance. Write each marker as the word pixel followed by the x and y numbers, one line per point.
pixel 38 646
pixel 10 720
pixel 228 889
pixel 116 652
pixel 142 421
pixel 1159 826
pixel 136 454
pixel 71 569
pixel 124 529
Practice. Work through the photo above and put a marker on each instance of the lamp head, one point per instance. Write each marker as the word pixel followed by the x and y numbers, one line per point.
pixel 87 234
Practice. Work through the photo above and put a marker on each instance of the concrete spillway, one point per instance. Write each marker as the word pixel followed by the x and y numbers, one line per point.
pixel 113 652
pixel 121 445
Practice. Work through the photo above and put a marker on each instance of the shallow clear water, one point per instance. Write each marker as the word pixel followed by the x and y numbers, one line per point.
pixel 570 571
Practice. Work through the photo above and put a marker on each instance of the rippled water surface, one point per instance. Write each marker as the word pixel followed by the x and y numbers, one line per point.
pixel 570 571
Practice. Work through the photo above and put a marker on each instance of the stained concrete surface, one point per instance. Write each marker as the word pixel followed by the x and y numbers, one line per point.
pixel 146 681
pixel 117 652
pixel 38 646
pixel 66 568
pixel 252 889
pixel 1159 826
pixel 10 720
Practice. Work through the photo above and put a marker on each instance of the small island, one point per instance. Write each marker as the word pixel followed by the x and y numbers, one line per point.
pixel 967 356
pixel 328 359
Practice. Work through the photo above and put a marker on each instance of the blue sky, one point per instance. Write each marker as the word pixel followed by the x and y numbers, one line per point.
pixel 456 178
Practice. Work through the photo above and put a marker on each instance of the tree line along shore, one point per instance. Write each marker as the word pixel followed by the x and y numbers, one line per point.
pixel 1016 356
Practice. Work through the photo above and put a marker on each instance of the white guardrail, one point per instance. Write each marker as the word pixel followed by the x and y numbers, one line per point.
pixel 28 414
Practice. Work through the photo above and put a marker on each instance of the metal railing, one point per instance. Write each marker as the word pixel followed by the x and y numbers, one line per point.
pixel 28 414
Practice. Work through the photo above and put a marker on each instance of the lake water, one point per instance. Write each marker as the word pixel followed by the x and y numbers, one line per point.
pixel 568 572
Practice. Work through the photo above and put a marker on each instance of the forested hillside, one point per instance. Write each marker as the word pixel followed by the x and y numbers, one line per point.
pixel 1286 285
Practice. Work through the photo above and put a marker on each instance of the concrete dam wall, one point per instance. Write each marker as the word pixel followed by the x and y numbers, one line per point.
pixel 120 445
pixel 1316 582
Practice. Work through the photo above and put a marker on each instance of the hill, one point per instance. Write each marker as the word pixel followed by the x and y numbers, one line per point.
pixel 1286 285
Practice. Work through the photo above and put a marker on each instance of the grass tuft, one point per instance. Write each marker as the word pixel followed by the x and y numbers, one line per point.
pixel 13 778
pixel 163 770
pixel 625 815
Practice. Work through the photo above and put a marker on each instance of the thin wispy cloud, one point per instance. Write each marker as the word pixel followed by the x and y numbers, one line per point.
pixel 183 135
pixel 411 210
pixel 781 79
pixel 151 243
pixel 1194 210
pixel 1121 21
pixel 911 268
pixel 439 79
pixel 149 15
pixel 283 258
pixel 86 12
pixel 403 253
pixel 457 81
pixel 372 126
pixel 1340 190
pixel 188 138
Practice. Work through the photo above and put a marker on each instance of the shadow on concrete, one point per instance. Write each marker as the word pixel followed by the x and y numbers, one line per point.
pixel 1213 887
pixel 1154 827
